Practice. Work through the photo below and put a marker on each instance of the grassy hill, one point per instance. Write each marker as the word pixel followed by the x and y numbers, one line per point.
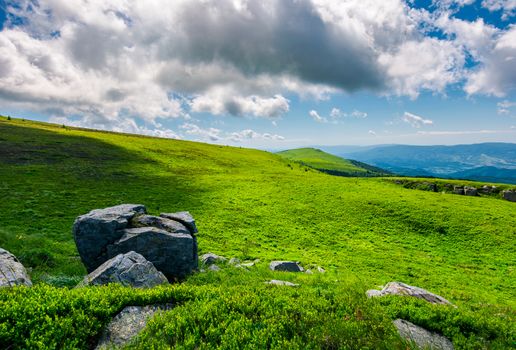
pixel 248 204
pixel 328 163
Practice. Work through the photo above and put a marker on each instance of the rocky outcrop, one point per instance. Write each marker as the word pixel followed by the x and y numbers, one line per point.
pixel 458 190
pixel 398 288
pixel 127 324
pixel 509 195
pixel 422 338
pixel 12 272
pixel 170 245
pixel 288 266
pixel 470 191
pixel 129 269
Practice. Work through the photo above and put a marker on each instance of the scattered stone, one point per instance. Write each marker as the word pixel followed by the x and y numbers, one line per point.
pixel 282 283
pixel 214 267
pixel 320 269
pixel 308 271
pixel 171 253
pixel 210 258
pixel 129 269
pixel 470 191
pixel 458 190
pixel 92 232
pixel 421 337
pixel 12 272
pixel 159 222
pixel 183 217
pixel 127 324
pixel 234 261
pixel 398 288
pixel 288 266
pixel 509 195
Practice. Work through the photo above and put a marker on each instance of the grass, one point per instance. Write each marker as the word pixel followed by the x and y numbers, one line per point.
pixel 249 204
pixel 328 163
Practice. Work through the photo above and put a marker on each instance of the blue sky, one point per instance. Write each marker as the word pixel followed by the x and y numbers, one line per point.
pixel 269 74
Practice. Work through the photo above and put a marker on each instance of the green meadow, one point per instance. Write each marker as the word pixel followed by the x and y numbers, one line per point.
pixel 249 204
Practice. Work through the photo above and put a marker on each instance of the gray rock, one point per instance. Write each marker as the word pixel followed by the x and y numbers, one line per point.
pixel 210 258
pixel 398 288
pixel 289 266
pixel 130 269
pixel 509 195
pixel 12 272
pixel 183 217
pixel 127 324
pixel 159 222
pixel 470 191
pixel 421 337
pixel 234 261
pixel 320 269
pixel 458 189
pixel 486 189
pixel 308 271
pixel 214 268
pixel 282 283
pixel 92 232
pixel 174 254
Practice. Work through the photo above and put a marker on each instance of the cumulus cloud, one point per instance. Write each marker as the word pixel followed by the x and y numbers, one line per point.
pixel 372 132
pixel 108 61
pixel 505 107
pixel 219 136
pixel 315 116
pixel 508 7
pixel 415 120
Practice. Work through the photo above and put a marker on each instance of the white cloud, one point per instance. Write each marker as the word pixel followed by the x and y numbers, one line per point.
pixel 336 113
pixel 315 116
pixel 372 132
pixel 249 134
pixel 505 106
pixel 209 134
pixel 463 132
pixel 219 136
pixel 508 7
pixel 415 120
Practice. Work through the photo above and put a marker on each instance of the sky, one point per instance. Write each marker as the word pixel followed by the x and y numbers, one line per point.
pixel 272 74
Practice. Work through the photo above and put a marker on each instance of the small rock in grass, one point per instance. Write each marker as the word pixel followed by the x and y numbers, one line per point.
pixel 288 266
pixel 421 337
pixel 214 267
pixel 320 269
pixel 309 272
pixel 210 258
pixel 398 288
pixel 127 324
pixel 234 261
pixel 282 283
pixel 12 272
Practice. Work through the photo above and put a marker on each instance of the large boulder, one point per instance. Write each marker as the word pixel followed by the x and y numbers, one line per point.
pixel 129 269
pixel 509 195
pixel 127 324
pixel 288 266
pixel 470 191
pixel 170 244
pixel 12 272
pixel 422 338
pixel 458 189
pixel 94 231
pixel 171 253
pixel 398 288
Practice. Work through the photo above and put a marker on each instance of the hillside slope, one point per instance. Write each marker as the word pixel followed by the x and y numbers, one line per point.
pixel 328 163
pixel 248 204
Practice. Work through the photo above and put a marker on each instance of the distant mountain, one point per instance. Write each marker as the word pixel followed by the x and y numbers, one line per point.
pixel 331 164
pixel 494 162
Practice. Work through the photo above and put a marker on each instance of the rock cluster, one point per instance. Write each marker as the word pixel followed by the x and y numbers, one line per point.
pixel 509 195
pixel 167 241
pixel 12 272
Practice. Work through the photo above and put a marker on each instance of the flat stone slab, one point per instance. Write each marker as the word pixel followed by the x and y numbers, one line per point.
pixel 183 217
pixel 288 266
pixel 282 283
pixel 399 288
pixel 12 272
pixel 421 337
pixel 127 324
pixel 129 269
